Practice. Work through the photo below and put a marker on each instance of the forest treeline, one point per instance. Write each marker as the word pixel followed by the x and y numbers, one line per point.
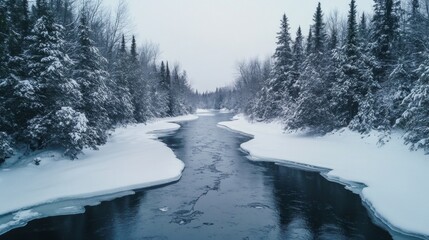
pixel 70 72
pixel 366 72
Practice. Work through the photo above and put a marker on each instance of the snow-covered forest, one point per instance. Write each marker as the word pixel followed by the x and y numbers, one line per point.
pixel 369 71
pixel 70 71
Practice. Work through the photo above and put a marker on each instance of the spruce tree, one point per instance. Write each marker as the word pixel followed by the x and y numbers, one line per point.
pixel 90 74
pixel 56 121
pixel 4 32
pixel 363 31
pixel 280 86
pixel 353 93
pixel 416 36
pixel 415 119
pixel 298 59
pixel 122 109
pixel 6 149
pixel 384 35
pixel 138 86
pixel 319 33
pixel 311 110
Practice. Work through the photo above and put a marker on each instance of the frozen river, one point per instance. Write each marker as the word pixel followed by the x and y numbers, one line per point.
pixel 221 195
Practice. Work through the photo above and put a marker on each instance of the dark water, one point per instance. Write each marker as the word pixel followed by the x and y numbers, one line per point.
pixel 222 195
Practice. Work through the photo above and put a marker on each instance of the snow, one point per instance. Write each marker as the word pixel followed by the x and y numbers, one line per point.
pixel 225 110
pixel 396 180
pixel 20 218
pixel 131 159
pixel 205 112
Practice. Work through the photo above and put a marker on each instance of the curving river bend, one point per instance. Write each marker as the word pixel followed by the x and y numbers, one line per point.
pixel 221 195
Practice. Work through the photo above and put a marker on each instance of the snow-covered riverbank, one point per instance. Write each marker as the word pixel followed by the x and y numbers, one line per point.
pixel 131 159
pixel 397 180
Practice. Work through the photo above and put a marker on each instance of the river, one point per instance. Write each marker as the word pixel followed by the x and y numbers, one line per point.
pixel 221 195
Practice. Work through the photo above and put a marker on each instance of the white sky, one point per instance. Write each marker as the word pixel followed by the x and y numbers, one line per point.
pixel 209 37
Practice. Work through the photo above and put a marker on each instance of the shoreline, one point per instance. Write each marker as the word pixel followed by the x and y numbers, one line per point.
pixel 133 150
pixel 356 187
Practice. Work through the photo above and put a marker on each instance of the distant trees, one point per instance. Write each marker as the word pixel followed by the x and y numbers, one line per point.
pixel 67 77
pixel 370 74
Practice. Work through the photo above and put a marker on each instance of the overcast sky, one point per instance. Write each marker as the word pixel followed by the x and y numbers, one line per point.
pixel 209 37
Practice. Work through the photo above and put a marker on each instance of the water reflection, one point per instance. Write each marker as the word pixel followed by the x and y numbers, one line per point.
pixel 312 207
pixel 222 195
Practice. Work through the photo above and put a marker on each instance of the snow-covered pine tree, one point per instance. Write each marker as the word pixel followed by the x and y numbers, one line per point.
pixel 389 71
pixel 319 31
pixel 4 32
pixel 278 89
pixel 312 106
pixel 14 90
pixel 56 122
pixel 364 34
pixel 138 86
pixel 298 59
pixel 385 26
pixel 353 93
pixel 3 67
pixel 89 72
pixel 6 149
pixel 416 35
pixel 415 119
pixel 180 91
pixel 121 109
pixel 161 98
pixel 311 110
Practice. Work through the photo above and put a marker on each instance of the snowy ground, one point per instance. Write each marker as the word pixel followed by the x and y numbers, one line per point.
pixel 131 159
pixel 205 112
pixel 397 179
pixel 211 112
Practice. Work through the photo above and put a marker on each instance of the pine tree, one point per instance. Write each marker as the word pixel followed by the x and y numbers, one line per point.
pixel 351 45
pixel 298 59
pixel 19 27
pixel 415 119
pixel 89 73
pixel 4 32
pixel 121 110
pixel 312 110
pixel 319 33
pixel 6 149
pixel 384 34
pixel 138 86
pixel 56 120
pixel 279 87
pixel 416 37
pixel 363 31
pixel 353 93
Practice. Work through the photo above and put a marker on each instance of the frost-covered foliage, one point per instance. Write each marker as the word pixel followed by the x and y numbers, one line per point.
pixel 64 128
pixel 66 78
pixel 415 118
pixel 92 78
pixel 70 130
pixel 6 150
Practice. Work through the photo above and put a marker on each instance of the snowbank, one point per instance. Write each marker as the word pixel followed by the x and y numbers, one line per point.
pixel 131 159
pixel 205 112
pixel 396 179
